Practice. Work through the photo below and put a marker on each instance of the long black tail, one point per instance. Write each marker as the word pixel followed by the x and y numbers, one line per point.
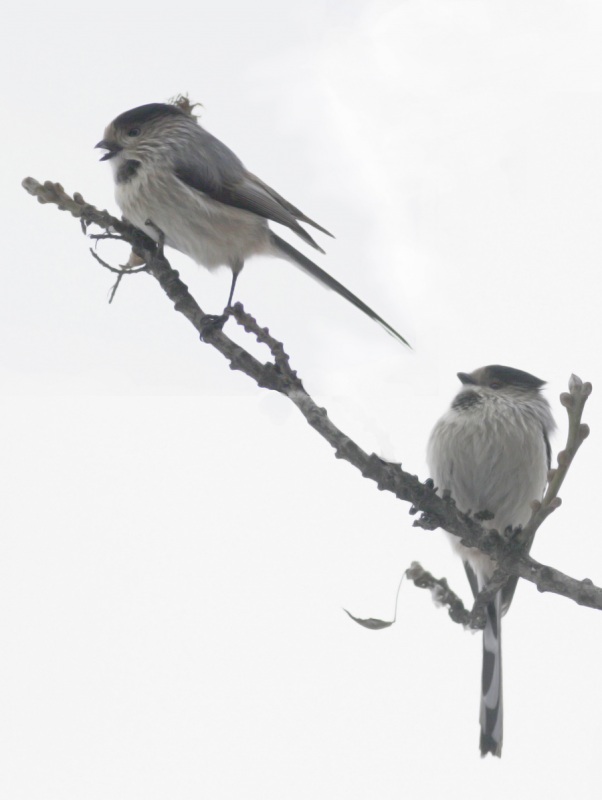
pixel 317 272
pixel 492 715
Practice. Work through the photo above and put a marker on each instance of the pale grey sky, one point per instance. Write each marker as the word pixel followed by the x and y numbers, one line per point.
pixel 177 545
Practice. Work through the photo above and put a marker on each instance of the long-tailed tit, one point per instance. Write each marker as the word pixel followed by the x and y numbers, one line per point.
pixel 172 175
pixel 491 451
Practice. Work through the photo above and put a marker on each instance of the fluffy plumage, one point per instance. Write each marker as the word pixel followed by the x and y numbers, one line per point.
pixel 171 171
pixel 491 451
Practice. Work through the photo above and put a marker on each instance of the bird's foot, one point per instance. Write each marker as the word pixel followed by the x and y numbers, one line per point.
pixel 211 323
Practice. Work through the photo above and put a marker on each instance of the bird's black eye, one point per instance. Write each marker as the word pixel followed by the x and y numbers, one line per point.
pixel 134 132
pixel 495 385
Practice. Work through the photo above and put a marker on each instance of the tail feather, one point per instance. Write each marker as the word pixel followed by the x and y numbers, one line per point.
pixel 491 696
pixel 289 252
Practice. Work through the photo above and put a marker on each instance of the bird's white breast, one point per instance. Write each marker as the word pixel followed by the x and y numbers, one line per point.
pixel 491 457
pixel 211 233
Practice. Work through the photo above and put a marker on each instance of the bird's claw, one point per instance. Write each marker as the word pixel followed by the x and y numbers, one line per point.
pixel 211 323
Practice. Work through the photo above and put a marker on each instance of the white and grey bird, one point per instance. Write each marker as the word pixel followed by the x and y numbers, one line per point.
pixel 491 450
pixel 171 172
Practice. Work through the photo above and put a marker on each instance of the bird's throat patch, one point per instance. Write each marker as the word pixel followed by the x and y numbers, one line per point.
pixel 465 400
pixel 127 170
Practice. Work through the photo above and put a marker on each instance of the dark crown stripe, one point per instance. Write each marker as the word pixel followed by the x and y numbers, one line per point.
pixel 513 377
pixel 141 114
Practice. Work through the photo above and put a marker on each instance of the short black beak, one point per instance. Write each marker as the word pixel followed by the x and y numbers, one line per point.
pixel 112 147
pixel 465 378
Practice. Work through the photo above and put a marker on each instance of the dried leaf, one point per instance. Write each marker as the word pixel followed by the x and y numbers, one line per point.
pixel 371 623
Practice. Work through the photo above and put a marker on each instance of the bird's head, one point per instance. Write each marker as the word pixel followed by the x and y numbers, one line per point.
pixel 142 133
pixel 503 381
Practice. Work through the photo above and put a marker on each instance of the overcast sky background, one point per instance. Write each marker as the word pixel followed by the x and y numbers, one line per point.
pixel 177 545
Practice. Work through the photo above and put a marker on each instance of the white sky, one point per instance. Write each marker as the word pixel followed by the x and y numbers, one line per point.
pixel 177 545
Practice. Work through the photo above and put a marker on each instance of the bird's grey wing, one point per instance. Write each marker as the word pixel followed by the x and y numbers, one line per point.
pixel 288 206
pixel 219 174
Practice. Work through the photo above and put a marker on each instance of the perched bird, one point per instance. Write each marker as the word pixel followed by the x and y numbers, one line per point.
pixel 172 175
pixel 491 450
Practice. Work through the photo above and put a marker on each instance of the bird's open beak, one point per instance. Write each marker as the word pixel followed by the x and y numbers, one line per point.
pixel 465 378
pixel 112 148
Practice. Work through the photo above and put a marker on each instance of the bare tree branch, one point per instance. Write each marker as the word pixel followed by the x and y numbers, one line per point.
pixel 510 552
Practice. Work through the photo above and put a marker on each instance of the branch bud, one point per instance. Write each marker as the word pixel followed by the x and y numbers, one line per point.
pixel 563 459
